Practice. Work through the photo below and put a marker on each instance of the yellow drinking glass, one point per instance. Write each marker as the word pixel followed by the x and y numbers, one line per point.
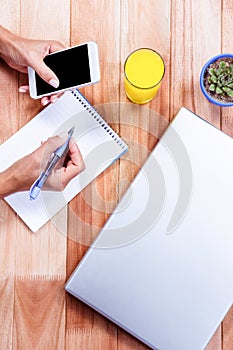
pixel 144 70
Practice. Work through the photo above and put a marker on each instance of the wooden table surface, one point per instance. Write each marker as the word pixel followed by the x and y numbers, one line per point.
pixel 35 312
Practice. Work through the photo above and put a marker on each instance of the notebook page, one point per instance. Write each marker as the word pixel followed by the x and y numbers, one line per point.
pixel 98 147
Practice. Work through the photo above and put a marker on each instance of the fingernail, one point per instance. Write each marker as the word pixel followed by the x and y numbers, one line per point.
pixel 44 102
pixel 54 83
pixel 21 89
pixel 54 99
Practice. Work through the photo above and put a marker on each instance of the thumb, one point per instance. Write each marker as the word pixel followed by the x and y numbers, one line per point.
pixel 56 141
pixel 50 146
pixel 46 74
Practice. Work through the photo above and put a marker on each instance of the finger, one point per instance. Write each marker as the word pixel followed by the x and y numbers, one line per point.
pixel 57 96
pixel 50 99
pixel 54 98
pixel 45 100
pixel 75 156
pixel 50 146
pixel 46 73
pixel 69 173
pixel 62 176
pixel 56 46
pixel 24 89
pixel 43 70
pixel 56 141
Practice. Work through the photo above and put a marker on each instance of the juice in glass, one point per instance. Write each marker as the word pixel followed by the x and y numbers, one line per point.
pixel 144 70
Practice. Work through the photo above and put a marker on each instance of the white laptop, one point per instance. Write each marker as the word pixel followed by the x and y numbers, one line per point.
pixel 162 266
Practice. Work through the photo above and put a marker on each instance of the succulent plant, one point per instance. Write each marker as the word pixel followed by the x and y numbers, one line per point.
pixel 221 79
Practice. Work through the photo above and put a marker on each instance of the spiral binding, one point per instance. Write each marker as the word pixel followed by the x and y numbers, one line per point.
pixel 77 94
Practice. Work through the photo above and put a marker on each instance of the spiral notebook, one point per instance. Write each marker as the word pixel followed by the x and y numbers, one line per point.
pixel 100 146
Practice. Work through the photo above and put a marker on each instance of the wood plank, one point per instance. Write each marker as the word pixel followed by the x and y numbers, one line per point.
pixel 47 240
pixel 227 332
pixel 85 328
pixel 35 26
pixel 10 19
pixel 101 24
pixel 9 16
pixel 89 340
pixel 138 23
pixel 227 127
pixel 127 342
pixel 7 309
pixel 41 257
pixel 227 42
pixel 102 17
pixel 147 26
pixel 216 341
pixel 141 126
pixel 39 312
pixel 192 44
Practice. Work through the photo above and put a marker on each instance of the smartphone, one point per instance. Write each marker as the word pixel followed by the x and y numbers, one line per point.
pixel 76 66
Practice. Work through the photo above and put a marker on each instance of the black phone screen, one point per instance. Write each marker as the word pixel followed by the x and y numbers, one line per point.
pixel 70 66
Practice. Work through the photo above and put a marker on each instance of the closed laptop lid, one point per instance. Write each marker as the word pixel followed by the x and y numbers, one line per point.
pixel 162 266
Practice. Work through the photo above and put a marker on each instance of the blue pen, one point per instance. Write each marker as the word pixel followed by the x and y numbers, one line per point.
pixel 60 152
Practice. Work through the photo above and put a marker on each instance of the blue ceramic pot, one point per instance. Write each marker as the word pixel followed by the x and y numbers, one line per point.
pixel 209 97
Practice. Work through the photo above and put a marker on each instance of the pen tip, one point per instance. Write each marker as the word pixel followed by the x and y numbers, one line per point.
pixel 71 131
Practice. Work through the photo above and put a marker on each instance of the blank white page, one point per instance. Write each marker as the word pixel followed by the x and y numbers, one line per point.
pixel 98 143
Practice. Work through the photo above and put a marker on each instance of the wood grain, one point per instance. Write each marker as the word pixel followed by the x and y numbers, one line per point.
pixel 9 125
pixel 142 25
pixel 39 305
pixel 227 333
pixel 6 310
pixel 39 312
pixel 227 127
pixel 227 42
pixel 192 45
pixel 102 19
pixel 35 311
